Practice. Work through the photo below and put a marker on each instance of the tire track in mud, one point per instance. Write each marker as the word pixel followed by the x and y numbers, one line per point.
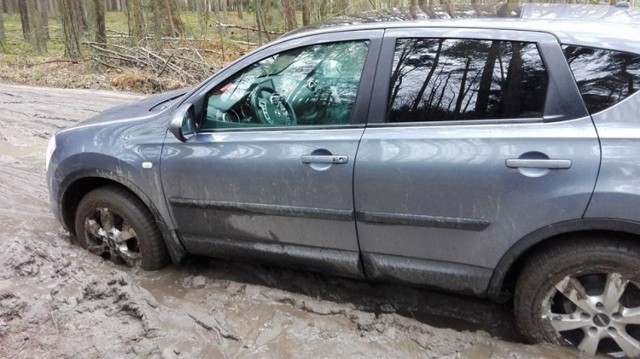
pixel 57 300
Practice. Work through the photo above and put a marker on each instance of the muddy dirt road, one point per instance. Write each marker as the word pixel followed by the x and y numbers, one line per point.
pixel 57 300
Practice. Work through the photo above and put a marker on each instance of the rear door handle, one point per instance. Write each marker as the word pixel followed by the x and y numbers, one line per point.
pixel 334 159
pixel 538 163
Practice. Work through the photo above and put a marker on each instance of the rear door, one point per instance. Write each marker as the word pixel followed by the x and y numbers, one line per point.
pixel 269 173
pixel 477 138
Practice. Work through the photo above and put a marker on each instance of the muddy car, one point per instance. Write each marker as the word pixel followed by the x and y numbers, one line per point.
pixel 495 158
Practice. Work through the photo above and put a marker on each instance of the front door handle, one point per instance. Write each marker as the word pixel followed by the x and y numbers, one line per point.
pixel 538 163
pixel 333 159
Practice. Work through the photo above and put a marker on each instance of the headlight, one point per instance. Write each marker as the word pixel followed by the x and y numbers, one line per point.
pixel 50 148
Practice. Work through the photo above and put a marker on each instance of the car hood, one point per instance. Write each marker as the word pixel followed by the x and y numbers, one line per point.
pixel 141 109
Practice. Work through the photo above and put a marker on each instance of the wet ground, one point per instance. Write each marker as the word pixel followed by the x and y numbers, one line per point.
pixel 56 300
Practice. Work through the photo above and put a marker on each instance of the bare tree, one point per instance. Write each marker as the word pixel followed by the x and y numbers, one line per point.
pixel 69 29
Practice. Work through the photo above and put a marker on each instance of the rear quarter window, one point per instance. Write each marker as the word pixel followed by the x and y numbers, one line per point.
pixel 604 77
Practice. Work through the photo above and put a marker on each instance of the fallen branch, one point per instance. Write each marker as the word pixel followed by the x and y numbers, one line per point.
pixel 183 63
pixel 248 28
pixel 73 61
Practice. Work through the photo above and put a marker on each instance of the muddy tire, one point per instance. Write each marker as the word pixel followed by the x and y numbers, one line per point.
pixel 584 293
pixel 114 224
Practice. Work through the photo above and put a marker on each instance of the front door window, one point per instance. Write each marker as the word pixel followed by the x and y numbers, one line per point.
pixel 313 85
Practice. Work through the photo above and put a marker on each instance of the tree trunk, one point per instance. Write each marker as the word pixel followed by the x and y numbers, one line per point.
pixel 484 90
pixel 240 9
pixel 32 29
pixel 69 29
pixel 290 15
pixel 202 12
pixel 136 19
pixel 512 99
pixel 96 21
pixel 38 34
pixel 156 21
pixel 341 7
pixel 427 8
pixel 43 9
pixel 257 6
pixel 53 10
pixel 436 60
pixel 221 33
pixel 461 91
pixel 176 27
pixel 166 19
pixel 306 13
pixel 2 36
pixel 11 6
pixel 225 14
pixel 80 17
pixel 24 20
pixel 413 9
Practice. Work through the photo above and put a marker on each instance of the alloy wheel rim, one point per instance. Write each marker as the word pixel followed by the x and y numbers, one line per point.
pixel 596 311
pixel 110 236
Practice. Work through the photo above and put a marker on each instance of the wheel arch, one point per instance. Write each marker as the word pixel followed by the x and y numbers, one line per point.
pixel 511 263
pixel 80 183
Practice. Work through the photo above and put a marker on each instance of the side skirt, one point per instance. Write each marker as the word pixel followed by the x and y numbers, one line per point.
pixel 330 261
pixel 452 277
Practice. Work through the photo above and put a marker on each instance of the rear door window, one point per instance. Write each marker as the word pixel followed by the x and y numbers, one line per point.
pixel 436 79
pixel 604 77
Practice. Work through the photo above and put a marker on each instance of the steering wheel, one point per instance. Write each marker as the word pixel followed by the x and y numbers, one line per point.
pixel 271 108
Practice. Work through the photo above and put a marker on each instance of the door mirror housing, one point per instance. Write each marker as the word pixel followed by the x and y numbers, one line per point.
pixel 182 124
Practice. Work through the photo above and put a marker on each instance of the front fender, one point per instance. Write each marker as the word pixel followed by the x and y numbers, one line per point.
pixel 88 179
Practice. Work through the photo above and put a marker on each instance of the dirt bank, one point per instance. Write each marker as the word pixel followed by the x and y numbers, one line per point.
pixel 57 300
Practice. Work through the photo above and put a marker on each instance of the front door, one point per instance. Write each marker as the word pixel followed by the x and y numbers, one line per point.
pixel 269 173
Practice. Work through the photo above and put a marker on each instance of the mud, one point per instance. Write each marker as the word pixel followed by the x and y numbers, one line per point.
pixel 57 300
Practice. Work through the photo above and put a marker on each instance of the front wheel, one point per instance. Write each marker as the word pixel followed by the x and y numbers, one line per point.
pixel 114 224
pixel 583 293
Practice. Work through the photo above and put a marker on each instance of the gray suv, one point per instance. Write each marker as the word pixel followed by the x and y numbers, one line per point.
pixel 496 158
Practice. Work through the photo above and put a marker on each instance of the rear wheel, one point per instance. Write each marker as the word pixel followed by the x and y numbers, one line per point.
pixel 113 223
pixel 584 293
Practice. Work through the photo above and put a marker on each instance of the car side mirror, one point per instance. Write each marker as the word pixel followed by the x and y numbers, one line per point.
pixel 182 125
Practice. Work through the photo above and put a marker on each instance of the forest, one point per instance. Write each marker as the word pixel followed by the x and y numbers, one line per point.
pixel 156 45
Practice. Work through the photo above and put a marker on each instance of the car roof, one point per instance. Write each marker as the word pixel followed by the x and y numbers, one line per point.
pixel 600 26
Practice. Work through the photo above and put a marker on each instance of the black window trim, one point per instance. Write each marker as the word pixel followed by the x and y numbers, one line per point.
pixel 280 128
